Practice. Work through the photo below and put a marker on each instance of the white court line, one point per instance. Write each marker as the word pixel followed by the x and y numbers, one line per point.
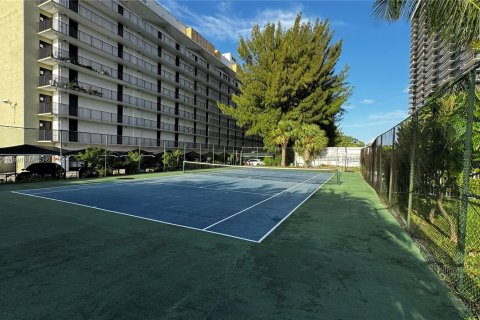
pixel 215 189
pixel 133 216
pixel 94 185
pixel 288 215
pixel 256 204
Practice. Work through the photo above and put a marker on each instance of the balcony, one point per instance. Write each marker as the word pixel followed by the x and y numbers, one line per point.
pixel 54 55
pixel 92 138
pixel 51 28
pixel 51 83
pixel 94 115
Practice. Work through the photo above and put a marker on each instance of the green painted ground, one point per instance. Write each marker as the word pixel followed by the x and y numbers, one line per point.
pixel 340 256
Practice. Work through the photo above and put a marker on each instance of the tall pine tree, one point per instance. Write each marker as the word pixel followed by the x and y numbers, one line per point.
pixel 288 75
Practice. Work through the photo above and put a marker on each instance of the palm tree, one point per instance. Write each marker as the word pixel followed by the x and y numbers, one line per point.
pixel 310 140
pixel 281 136
pixel 456 21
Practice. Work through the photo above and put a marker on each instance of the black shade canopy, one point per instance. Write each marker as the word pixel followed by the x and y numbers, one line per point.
pixel 27 149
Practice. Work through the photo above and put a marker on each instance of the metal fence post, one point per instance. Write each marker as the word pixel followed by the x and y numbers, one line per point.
pixel 411 179
pixel 390 184
pixel 106 148
pixel 467 162
pixel 380 166
pixel 184 152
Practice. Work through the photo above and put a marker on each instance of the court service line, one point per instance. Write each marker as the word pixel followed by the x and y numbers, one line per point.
pixel 294 209
pixel 215 189
pixel 134 216
pixel 258 203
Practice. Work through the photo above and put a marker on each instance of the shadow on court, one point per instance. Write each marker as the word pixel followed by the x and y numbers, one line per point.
pixel 339 256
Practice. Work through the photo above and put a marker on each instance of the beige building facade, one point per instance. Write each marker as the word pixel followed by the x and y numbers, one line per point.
pixel 125 73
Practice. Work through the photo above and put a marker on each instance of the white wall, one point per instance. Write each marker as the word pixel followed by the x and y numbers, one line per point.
pixel 335 156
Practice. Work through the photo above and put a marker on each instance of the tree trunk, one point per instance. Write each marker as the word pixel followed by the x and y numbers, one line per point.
pixel 284 154
pixel 431 215
pixel 306 157
pixel 453 230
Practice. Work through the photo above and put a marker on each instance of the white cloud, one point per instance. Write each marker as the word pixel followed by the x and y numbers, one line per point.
pixel 221 26
pixel 378 119
pixel 397 115
pixel 367 101
pixel 349 107
pixel 406 90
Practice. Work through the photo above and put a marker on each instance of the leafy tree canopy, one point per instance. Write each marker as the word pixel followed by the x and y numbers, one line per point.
pixel 93 156
pixel 310 140
pixel 343 140
pixel 288 75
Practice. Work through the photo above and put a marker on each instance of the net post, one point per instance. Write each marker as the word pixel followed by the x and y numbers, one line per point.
pixel 183 166
pixel 184 152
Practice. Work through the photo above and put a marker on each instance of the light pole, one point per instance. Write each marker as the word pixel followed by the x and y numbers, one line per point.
pixel 13 105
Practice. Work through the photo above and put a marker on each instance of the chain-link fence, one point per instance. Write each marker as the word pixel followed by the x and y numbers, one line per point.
pixel 427 170
pixel 110 154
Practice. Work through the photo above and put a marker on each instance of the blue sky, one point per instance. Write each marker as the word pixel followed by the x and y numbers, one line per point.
pixel 377 52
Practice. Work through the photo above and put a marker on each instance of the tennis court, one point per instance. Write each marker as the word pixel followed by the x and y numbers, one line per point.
pixel 247 203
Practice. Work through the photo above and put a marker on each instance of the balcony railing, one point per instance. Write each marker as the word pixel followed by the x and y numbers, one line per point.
pixel 65 56
pixel 82 87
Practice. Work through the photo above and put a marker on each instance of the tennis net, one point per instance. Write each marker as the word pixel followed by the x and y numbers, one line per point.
pixel 299 175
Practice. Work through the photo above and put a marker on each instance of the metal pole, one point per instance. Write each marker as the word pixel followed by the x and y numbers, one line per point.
pixel 345 159
pixel 200 152
pixel 411 183
pixel 390 184
pixel 61 162
pixel 106 146
pixel 164 150
pixel 224 155
pixel 139 156
pixel 337 157
pixel 184 152
pixel 467 162
pixel 213 153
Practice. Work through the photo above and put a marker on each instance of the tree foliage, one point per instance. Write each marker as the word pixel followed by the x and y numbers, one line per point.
pixel 171 159
pixel 456 21
pixel 281 135
pixel 310 140
pixel 288 75
pixel 439 152
pixel 343 140
pixel 93 156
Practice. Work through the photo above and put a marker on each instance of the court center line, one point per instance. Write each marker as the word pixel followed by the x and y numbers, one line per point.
pixel 134 216
pixel 291 212
pixel 258 203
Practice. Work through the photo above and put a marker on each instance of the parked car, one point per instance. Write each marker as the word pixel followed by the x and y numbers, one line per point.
pixel 255 162
pixel 41 170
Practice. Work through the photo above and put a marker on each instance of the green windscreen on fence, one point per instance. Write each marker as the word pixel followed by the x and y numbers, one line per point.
pixel 427 170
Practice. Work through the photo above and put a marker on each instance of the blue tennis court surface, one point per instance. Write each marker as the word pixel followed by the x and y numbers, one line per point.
pixel 246 205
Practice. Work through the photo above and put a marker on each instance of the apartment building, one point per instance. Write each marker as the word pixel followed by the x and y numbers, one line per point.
pixel 122 72
pixel 432 62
